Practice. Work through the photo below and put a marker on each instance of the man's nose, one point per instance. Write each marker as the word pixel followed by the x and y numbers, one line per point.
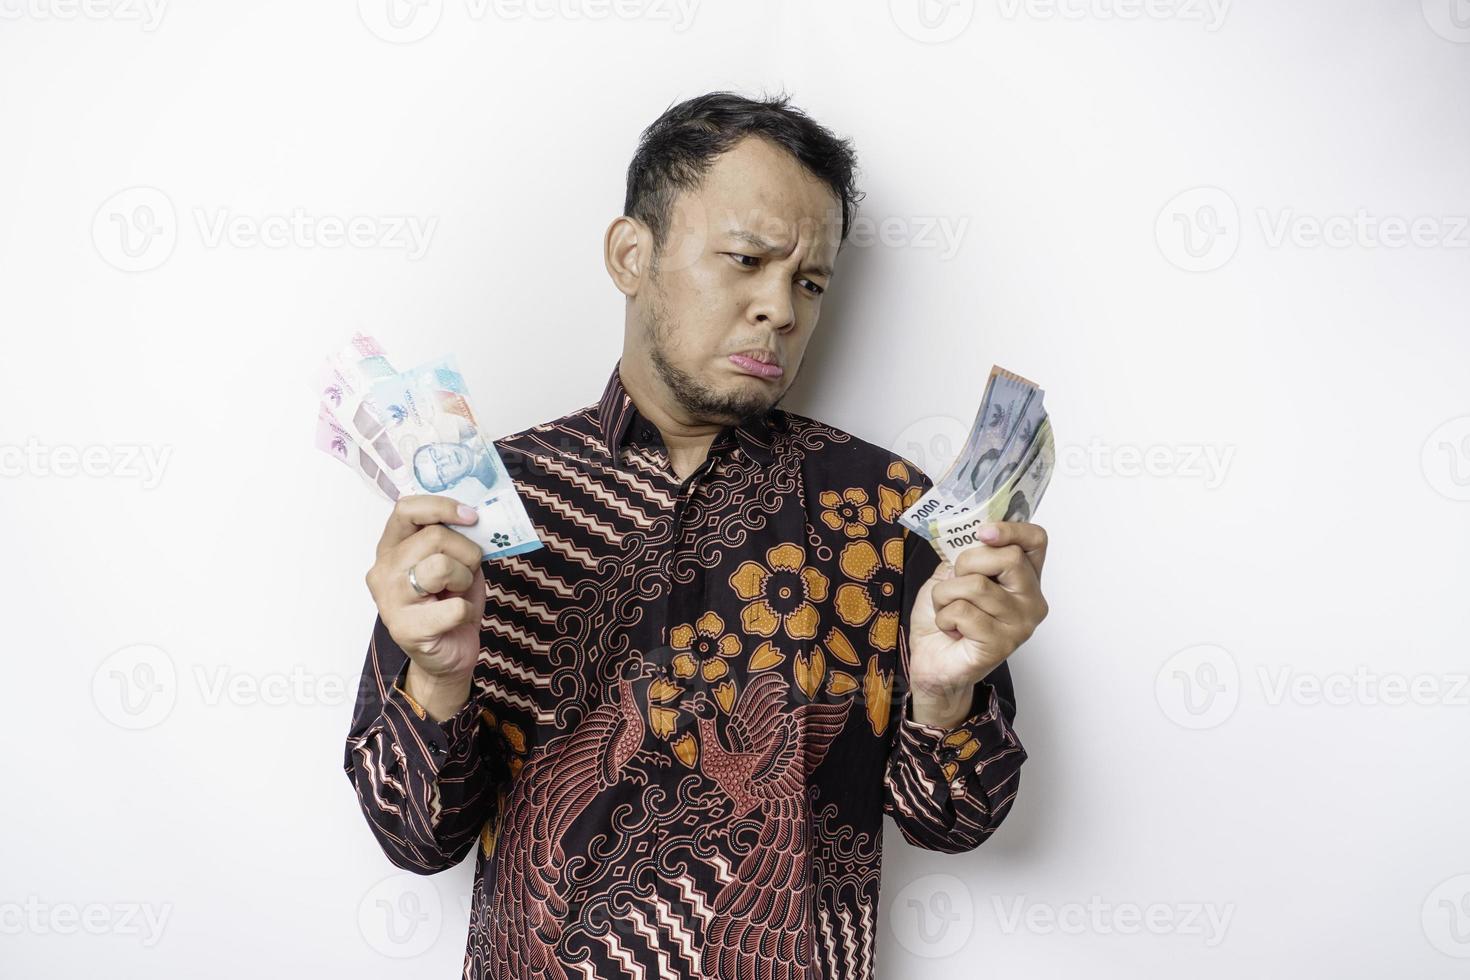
pixel 772 304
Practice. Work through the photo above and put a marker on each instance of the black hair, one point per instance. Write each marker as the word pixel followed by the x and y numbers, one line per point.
pixel 677 149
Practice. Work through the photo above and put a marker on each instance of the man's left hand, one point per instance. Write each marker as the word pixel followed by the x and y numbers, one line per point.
pixel 973 614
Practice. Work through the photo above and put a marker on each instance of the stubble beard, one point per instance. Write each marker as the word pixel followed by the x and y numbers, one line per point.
pixel 703 402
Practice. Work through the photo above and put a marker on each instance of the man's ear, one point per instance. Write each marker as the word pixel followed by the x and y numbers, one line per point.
pixel 627 250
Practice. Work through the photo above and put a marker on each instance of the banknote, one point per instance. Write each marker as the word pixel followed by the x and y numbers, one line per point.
pixel 1005 405
pixel 1016 499
pixel 344 383
pixel 432 429
pixel 338 443
pixel 981 478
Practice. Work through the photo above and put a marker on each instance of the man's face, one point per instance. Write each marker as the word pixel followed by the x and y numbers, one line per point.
pixel 440 465
pixel 747 258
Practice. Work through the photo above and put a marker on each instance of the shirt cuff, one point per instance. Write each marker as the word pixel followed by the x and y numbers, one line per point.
pixel 983 745
pixel 439 742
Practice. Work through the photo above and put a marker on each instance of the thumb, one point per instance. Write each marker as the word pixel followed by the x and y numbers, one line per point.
pixel 478 591
pixel 921 616
pixel 944 572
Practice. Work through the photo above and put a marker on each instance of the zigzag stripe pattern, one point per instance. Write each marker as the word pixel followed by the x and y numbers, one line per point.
pixel 688 711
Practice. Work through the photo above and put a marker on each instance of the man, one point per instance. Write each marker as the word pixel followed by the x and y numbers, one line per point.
pixel 670 734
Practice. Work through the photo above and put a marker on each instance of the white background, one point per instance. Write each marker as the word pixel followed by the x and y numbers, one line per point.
pixel 1216 710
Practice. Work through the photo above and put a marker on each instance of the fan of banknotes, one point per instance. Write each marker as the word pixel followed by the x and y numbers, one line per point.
pixel 414 433
pixel 1000 475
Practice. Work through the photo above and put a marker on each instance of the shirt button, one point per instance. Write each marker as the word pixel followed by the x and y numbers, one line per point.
pixel 436 748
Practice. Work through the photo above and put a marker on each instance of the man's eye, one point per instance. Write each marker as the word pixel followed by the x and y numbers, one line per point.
pixel 815 289
pixel 738 255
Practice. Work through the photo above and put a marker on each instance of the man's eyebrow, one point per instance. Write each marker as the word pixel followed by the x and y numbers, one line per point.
pixel 761 245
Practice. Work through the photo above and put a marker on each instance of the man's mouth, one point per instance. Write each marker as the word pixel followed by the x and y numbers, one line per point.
pixel 760 363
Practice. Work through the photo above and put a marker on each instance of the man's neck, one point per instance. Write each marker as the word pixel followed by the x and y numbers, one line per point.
pixel 688 442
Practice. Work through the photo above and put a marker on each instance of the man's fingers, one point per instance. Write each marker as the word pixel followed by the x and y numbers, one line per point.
pixel 1007 564
pixel 1031 538
pixel 437 540
pixel 438 573
pixel 963 617
pixel 417 511
pixel 980 591
pixel 435 617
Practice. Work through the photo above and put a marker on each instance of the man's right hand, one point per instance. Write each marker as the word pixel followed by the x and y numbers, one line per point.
pixel 440 632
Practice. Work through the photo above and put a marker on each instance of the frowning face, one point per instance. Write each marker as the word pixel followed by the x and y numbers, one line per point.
pixel 721 319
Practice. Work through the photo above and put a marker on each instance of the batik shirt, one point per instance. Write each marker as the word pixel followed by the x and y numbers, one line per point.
pixel 689 712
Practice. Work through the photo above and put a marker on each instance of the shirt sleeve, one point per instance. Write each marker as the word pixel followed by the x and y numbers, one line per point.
pixel 427 788
pixel 949 789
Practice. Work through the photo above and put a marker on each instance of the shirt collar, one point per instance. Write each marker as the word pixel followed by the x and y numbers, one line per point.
pixel 616 414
